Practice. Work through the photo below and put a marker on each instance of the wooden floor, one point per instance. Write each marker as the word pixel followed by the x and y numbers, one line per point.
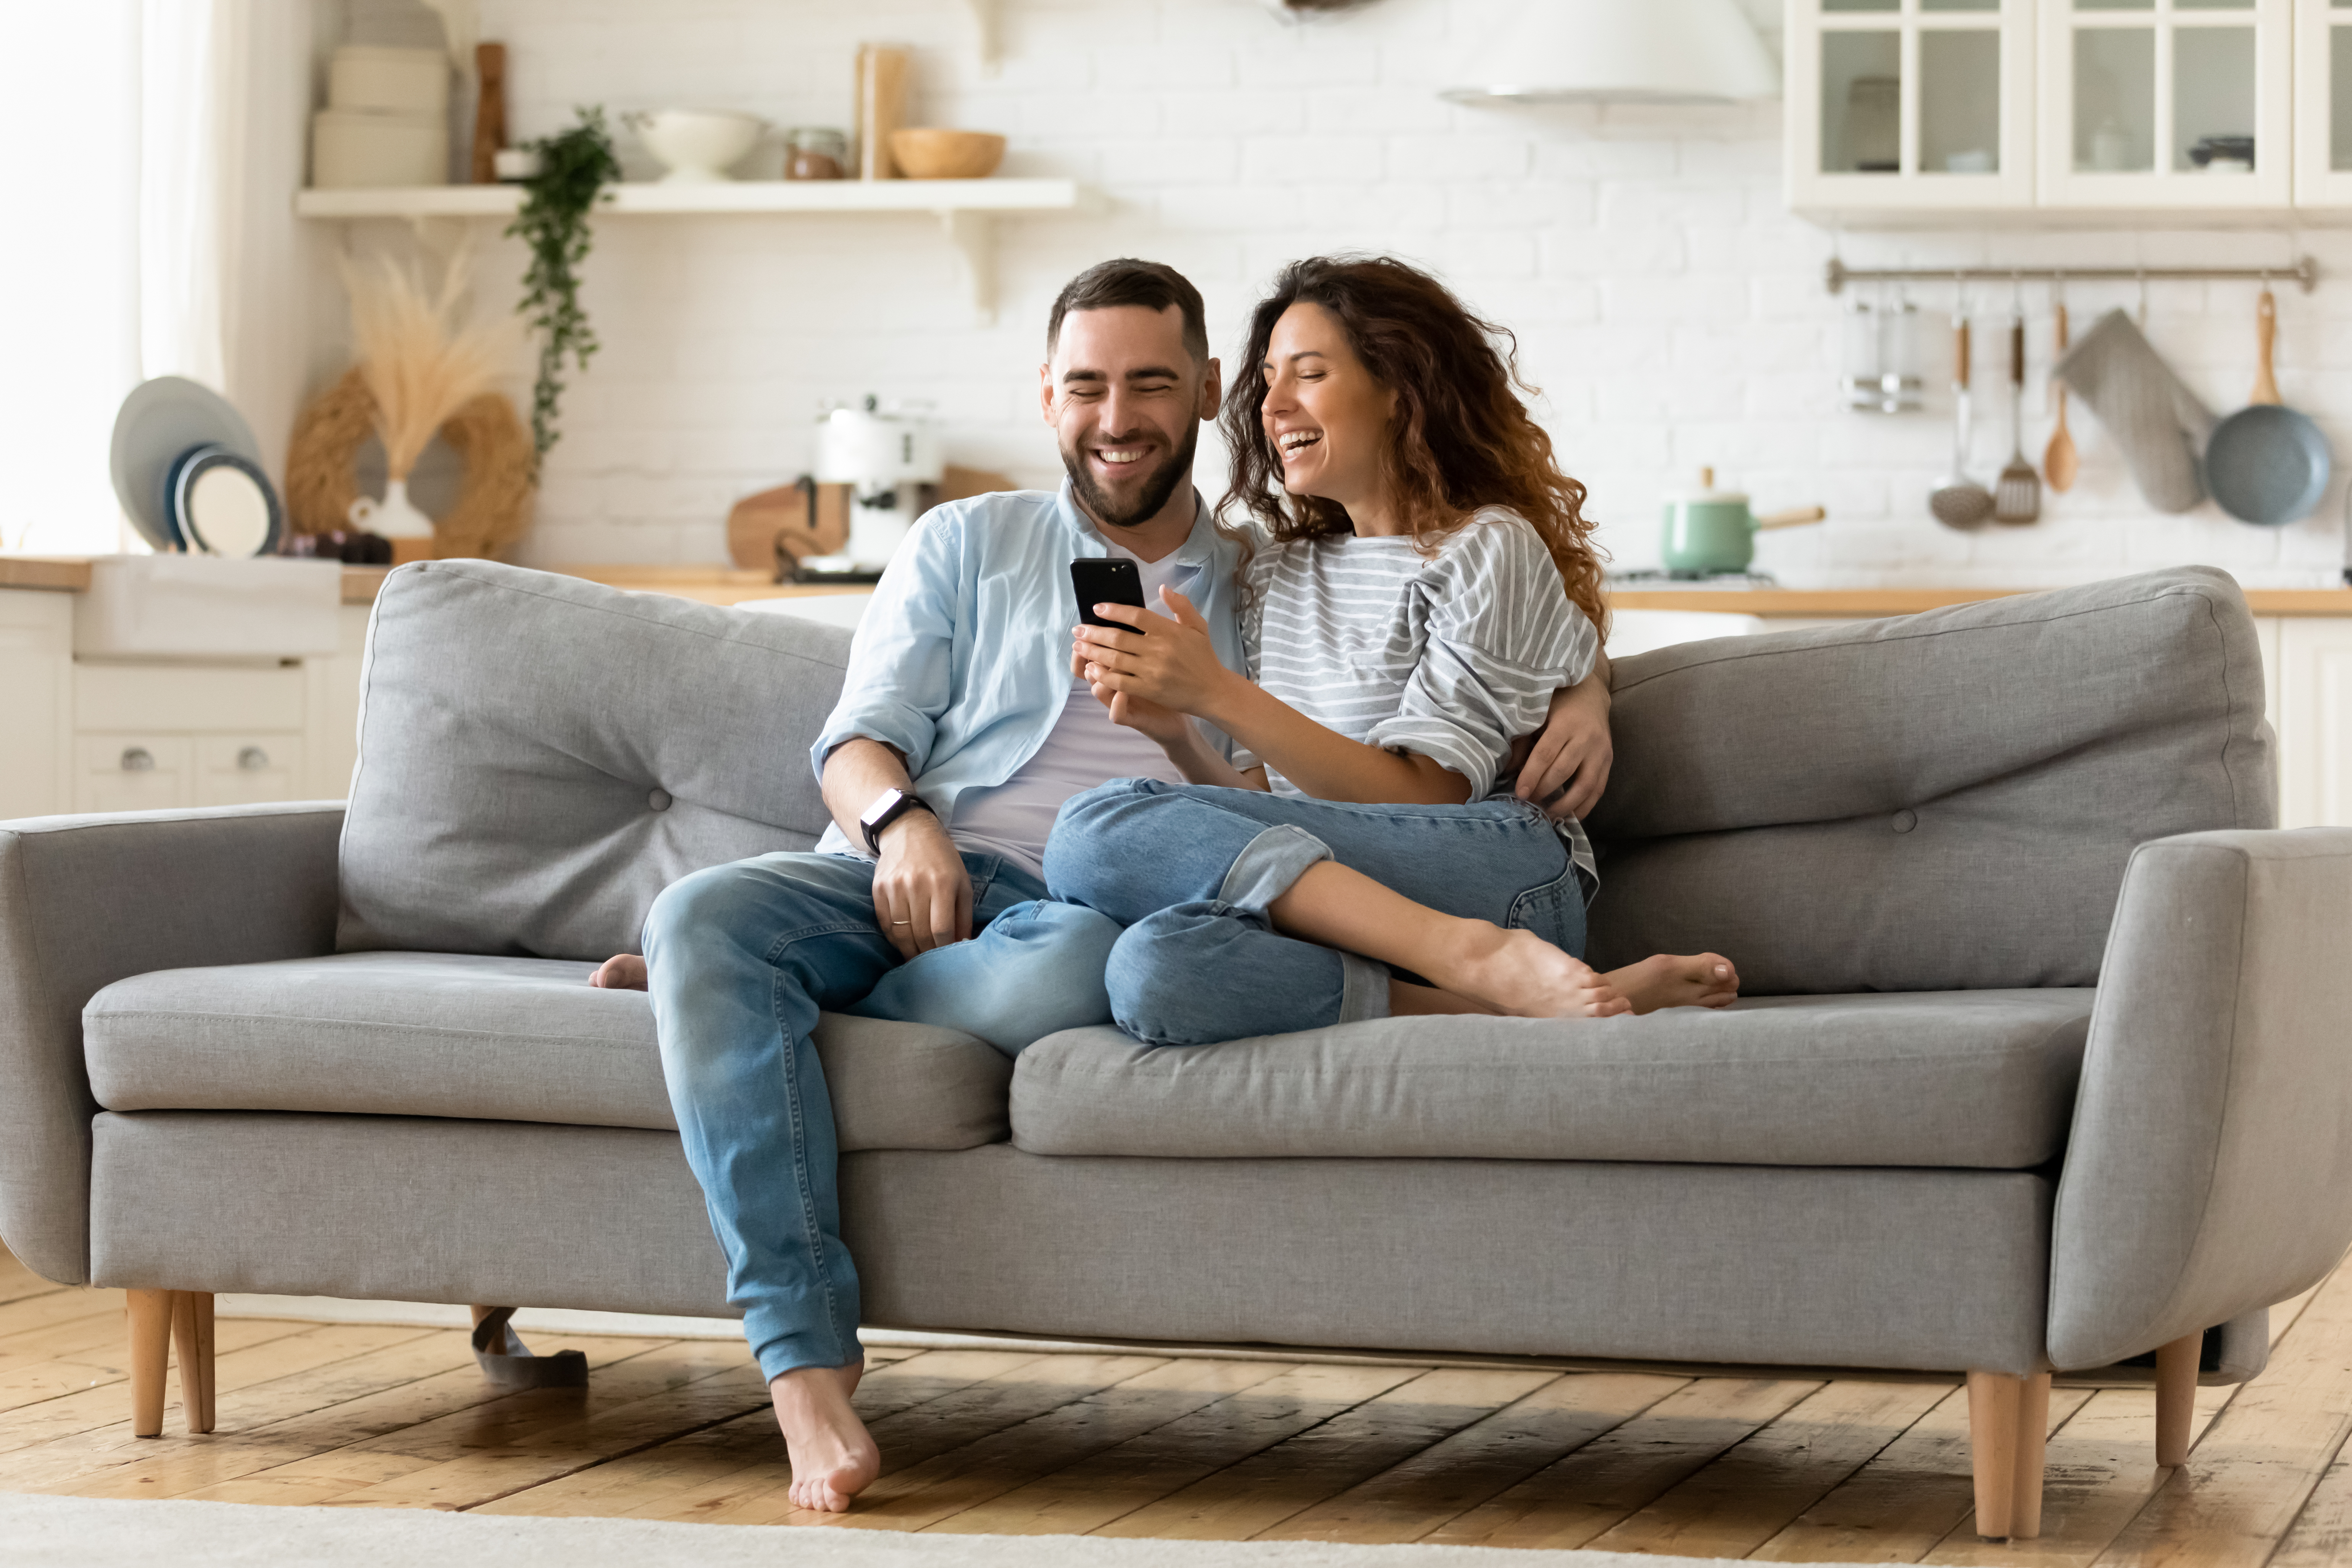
pixel 1782 1469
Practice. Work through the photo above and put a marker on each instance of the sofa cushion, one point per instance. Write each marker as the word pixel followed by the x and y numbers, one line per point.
pixel 1938 803
pixel 1982 1078
pixel 413 1034
pixel 540 756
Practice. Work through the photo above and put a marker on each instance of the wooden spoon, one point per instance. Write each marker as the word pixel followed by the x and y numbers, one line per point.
pixel 2060 464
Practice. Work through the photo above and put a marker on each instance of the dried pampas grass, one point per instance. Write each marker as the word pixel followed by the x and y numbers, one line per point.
pixel 419 363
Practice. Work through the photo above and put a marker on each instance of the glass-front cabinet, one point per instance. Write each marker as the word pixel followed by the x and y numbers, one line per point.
pixel 1909 104
pixel 2166 103
pixel 2322 104
pixel 1898 107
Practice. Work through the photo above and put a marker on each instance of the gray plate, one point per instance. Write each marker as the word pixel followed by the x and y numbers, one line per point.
pixel 160 421
pixel 2266 464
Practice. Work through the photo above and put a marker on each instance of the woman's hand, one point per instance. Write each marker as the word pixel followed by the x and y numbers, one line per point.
pixel 1568 767
pixel 1170 663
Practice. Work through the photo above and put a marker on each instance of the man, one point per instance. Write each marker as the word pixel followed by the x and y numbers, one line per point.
pixel 954 743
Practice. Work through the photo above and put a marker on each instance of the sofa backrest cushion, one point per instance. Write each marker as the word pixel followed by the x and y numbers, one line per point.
pixel 540 756
pixel 1942 802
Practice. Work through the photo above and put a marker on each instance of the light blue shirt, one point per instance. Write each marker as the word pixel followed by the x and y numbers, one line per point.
pixel 962 660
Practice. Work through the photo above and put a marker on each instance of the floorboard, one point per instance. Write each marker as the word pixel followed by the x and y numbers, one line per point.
pixel 1140 1446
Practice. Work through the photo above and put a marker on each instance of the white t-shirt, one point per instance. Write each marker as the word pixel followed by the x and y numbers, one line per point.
pixel 1082 749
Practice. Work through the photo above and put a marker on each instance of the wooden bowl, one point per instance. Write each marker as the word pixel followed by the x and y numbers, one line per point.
pixel 933 154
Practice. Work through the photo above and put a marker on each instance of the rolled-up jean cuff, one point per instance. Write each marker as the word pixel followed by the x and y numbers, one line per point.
pixel 1363 988
pixel 1267 867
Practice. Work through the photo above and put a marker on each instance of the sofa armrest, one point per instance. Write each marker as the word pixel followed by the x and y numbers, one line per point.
pixel 88 901
pixel 2210 1169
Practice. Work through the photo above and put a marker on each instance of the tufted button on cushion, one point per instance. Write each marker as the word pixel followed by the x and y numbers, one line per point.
pixel 1904 821
pixel 659 800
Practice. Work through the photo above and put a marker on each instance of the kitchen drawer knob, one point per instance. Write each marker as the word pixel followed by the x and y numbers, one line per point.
pixel 253 759
pixel 137 759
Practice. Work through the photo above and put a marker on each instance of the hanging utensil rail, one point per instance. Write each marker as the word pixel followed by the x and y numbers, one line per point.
pixel 2302 270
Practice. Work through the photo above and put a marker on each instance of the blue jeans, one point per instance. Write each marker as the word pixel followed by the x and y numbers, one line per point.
pixel 1190 870
pixel 742 958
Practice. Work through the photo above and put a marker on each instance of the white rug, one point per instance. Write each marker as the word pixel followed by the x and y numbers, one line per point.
pixel 80 1532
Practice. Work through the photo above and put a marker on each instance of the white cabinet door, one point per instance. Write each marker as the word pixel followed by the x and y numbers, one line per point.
pixel 2131 89
pixel 2322 104
pixel 132 771
pixel 2315 723
pixel 245 769
pixel 1895 106
pixel 36 703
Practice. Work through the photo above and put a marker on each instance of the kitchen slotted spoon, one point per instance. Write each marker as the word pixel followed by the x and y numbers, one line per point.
pixel 2017 494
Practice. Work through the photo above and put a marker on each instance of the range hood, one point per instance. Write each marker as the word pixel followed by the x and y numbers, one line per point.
pixel 1619 51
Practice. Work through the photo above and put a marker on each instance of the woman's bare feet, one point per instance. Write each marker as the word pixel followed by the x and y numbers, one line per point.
pixel 833 1456
pixel 622 972
pixel 1520 975
pixel 1677 980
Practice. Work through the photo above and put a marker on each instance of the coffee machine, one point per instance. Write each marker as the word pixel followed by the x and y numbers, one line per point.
pixel 885 456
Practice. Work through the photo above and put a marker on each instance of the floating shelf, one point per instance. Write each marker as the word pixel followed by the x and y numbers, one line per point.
pixel 967 210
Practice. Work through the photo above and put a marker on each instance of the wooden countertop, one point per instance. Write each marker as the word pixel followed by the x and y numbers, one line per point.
pixel 1869 603
pixel 721 586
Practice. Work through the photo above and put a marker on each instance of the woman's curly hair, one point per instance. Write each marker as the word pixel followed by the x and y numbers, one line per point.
pixel 1464 439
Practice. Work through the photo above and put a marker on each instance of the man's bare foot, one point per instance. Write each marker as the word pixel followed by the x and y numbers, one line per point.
pixel 1520 975
pixel 622 972
pixel 1407 1000
pixel 1677 980
pixel 833 1456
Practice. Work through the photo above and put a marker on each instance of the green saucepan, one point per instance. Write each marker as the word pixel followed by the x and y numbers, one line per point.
pixel 1708 530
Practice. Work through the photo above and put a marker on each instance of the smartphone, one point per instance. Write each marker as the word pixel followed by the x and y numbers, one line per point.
pixel 1108 582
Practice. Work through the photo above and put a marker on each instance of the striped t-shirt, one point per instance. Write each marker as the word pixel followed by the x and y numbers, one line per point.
pixel 1452 656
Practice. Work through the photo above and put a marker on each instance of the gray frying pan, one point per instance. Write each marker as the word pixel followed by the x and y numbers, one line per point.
pixel 2266 463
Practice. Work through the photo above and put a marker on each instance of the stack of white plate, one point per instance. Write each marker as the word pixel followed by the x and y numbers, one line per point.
pixel 386 120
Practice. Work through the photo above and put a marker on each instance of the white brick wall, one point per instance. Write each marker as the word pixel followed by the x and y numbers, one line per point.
pixel 1669 309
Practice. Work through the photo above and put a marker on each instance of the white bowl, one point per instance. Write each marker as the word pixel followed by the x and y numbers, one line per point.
pixel 696 145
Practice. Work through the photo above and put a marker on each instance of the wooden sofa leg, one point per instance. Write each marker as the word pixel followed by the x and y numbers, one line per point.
pixel 192 1340
pixel 151 1344
pixel 2176 1397
pixel 2009 1425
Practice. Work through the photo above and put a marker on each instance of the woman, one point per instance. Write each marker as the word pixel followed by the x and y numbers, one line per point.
pixel 1422 584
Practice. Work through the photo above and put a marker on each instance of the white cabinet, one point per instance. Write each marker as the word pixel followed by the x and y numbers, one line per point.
pixel 2314 722
pixel 1909 104
pixel 94 734
pixel 1899 110
pixel 2322 104
pixel 2135 93
pixel 36 702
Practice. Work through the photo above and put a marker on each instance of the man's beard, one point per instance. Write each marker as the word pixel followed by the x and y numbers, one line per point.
pixel 1149 499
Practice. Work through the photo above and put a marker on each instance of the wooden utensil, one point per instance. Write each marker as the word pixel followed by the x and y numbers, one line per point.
pixel 489 111
pixel 881 108
pixel 2061 462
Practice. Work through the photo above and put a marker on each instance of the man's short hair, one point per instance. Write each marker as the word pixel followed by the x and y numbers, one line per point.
pixel 1153 285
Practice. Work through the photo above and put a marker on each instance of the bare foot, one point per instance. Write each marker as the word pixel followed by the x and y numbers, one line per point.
pixel 1520 975
pixel 622 972
pixel 1677 980
pixel 1407 1000
pixel 833 1456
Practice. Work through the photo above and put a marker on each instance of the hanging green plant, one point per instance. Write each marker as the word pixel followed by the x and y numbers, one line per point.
pixel 574 167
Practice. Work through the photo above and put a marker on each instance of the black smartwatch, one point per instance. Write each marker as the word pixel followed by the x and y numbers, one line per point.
pixel 888 807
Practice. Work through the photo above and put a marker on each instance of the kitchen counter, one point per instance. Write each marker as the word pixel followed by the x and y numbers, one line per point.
pixel 71 574
pixel 723 586
pixel 1862 604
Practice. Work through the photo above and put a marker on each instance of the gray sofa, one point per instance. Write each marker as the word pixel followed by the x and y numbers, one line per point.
pixel 2041 1063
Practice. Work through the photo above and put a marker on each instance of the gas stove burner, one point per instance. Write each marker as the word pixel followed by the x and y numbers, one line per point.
pixel 1648 575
